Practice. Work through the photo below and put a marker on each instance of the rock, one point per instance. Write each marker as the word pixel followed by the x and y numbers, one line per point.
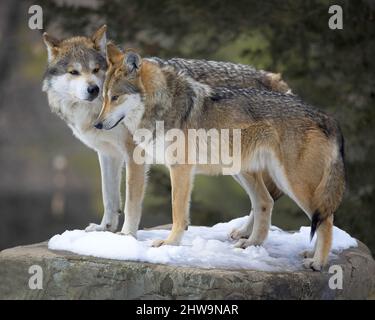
pixel 70 276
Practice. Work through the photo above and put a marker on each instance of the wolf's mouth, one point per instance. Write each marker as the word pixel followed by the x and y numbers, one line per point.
pixel 118 121
pixel 107 126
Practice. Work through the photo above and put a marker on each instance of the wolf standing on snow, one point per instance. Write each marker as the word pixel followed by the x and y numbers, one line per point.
pixel 73 83
pixel 300 147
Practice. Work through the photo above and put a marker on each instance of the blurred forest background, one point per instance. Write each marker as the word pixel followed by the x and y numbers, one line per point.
pixel 50 181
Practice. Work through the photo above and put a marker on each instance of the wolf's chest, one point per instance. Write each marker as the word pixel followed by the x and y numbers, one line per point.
pixel 100 140
pixel 80 117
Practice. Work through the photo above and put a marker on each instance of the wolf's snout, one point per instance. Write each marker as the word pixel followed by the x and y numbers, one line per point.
pixel 98 125
pixel 93 91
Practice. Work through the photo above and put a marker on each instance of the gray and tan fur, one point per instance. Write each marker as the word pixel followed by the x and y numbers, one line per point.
pixel 69 97
pixel 230 75
pixel 298 146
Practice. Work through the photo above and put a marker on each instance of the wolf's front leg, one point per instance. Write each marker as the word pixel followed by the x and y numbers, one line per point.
pixel 135 189
pixel 110 168
pixel 182 181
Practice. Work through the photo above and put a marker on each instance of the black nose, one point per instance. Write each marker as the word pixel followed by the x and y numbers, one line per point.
pixel 93 90
pixel 98 125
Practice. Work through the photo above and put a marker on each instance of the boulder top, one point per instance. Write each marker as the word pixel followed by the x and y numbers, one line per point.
pixel 70 276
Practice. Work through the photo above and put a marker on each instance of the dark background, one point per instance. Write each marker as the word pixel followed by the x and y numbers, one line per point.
pixel 50 181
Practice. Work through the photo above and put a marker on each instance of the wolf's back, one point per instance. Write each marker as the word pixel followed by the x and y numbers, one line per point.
pixel 227 74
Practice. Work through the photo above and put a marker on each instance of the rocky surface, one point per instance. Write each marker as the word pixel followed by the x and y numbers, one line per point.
pixel 70 276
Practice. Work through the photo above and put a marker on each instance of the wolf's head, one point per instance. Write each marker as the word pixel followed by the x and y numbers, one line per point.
pixel 76 66
pixel 123 88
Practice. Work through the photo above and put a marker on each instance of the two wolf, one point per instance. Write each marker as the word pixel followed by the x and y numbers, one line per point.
pixel 287 146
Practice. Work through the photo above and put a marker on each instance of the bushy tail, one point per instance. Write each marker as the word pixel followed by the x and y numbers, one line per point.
pixel 329 193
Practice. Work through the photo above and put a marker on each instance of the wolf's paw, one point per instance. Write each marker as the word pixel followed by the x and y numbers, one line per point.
pixel 122 233
pixel 244 243
pixel 129 230
pixel 310 263
pixel 237 234
pixel 99 227
pixel 307 254
pixel 159 243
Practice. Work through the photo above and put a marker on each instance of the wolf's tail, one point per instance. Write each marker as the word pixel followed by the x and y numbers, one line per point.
pixel 329 193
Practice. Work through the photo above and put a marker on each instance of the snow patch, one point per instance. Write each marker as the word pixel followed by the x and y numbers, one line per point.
pixel 204 247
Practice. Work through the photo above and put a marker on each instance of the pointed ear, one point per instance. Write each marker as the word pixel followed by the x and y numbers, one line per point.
pixel 114 54
pixel 52 45
pixel 100 39
pixel 132 61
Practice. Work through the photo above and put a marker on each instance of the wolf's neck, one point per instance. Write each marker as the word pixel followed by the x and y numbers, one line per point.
pixel 171 96
pixel 156 97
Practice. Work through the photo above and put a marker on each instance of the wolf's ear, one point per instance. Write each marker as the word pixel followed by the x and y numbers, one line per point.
pixel 114 54
pixel 100 39
pixel 52 45
pixel 132 61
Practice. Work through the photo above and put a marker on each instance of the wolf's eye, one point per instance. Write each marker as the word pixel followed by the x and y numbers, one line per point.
pixel 74 72
pixel 96 70
pixel 114 98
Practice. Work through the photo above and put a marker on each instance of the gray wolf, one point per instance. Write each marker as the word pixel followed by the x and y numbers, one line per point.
pixel 300 147
pixel 73 82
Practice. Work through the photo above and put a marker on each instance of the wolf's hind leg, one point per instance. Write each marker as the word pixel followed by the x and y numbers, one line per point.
pixel 262 204
pixel 323 245
pixel 245 230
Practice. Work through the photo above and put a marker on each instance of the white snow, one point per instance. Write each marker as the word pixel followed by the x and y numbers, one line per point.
pixel 206 247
